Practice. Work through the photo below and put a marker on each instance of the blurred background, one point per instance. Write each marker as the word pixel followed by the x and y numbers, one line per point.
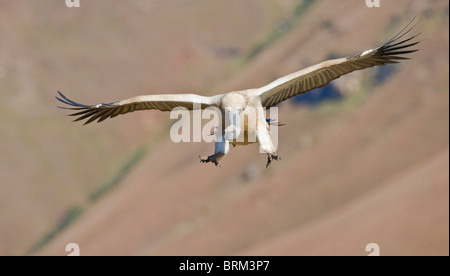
pixel 365 159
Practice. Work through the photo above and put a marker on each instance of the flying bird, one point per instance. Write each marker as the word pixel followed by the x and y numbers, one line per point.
pixel 237 107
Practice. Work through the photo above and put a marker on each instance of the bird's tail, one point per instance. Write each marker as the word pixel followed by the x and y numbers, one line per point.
pixel 273 122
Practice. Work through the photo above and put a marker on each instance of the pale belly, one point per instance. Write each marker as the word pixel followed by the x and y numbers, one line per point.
pixel 248 122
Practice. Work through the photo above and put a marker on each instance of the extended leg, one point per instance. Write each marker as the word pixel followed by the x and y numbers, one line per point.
pixel 266 145
pixel 221 148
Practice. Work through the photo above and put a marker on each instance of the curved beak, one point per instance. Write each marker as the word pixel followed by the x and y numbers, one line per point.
pixel 232 125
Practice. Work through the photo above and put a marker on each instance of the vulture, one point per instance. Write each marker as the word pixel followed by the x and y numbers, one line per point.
pixel 244 111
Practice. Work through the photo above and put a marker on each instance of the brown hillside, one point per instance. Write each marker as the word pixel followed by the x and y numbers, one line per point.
pixel 370 168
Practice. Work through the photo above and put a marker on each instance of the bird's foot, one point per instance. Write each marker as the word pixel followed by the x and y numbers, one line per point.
pixel 208 159
pixel 271 157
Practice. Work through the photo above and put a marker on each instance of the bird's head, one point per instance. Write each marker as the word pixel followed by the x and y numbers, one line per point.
pixel 233 104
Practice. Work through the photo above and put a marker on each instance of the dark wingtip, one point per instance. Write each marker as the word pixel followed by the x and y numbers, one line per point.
pixel 61 100
pixel 398 46
pixel 80 109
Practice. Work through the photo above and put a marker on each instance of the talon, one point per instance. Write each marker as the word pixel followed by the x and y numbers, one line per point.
pixel 209 159
pixel 203 159
pixel 271 157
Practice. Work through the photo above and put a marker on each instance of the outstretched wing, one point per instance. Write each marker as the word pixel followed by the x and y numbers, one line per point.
pixel 321 74
pixel 166 102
